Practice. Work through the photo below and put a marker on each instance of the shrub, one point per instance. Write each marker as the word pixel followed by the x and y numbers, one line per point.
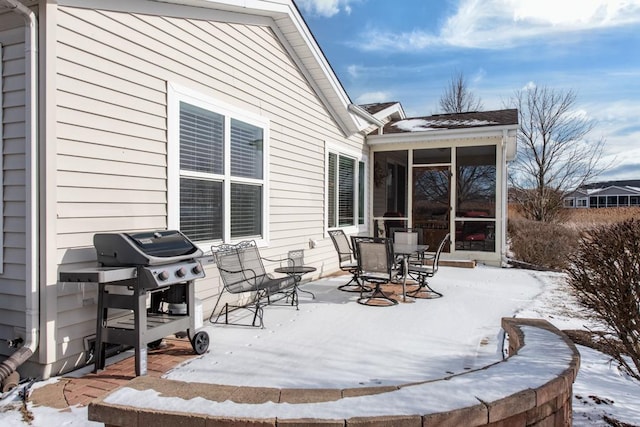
pixel 605 273
pixel 542 244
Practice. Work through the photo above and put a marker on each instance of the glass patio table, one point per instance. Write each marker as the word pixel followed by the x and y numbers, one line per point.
pixel 404 251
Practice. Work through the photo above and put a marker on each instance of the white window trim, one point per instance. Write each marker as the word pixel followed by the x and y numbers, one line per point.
pixel 358 157
pixel 176 94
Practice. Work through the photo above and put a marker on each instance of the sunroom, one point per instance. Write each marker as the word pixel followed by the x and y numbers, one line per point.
pixel 446 174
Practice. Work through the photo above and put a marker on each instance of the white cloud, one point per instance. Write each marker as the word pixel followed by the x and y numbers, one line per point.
pixel 326 8
pixel 504 23
pixel 353 71
pixel 372 97
pixel 478 76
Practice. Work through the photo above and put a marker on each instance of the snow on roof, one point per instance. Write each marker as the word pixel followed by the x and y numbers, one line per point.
pixel 473 119
pixel 419 125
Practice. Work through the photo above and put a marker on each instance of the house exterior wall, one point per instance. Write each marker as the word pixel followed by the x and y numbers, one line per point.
pixel 13 181
pixel 112 71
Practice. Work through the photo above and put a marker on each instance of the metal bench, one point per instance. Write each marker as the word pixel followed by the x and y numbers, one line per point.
pixel 243 272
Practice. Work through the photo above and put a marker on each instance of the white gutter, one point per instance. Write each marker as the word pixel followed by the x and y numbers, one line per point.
pixel 439 134
pixel 364 114
pixel 32 298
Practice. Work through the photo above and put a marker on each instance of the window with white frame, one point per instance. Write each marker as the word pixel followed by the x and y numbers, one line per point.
pixel 345 190
pixel 221 171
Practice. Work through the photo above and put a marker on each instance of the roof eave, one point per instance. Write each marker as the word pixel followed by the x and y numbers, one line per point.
pixel 442 134
pixel 364 114
pixel 393 112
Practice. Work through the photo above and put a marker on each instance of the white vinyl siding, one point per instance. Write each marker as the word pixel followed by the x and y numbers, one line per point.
pixel 12 183
pixel 112 144
pixel 1 166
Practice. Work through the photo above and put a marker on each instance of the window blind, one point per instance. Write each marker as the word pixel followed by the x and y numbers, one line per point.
pixel 246 150
pixel 201 140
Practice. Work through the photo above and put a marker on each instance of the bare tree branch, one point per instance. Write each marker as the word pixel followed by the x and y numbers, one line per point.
pixel 555 154
pixel 457 98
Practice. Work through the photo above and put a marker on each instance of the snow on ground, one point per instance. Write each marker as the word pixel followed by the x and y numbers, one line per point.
pixel 334 342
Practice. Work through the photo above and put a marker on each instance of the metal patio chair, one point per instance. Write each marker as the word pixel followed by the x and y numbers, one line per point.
pixel 242 272
pixel 425 271
pixel 375 263
pixel 348 263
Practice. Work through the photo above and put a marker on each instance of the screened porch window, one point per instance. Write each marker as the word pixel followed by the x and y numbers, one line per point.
pixel 345 191
pixel 221 175
pixel 476 198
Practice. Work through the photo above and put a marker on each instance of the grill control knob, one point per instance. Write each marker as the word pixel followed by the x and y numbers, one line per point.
pixel 163 275
pixel 197 269
pixel 181 272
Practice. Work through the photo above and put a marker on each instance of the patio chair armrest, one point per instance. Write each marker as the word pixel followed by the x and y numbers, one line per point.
pixel 247 279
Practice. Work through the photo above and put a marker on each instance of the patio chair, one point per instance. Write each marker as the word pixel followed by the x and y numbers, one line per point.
pixel 348 263
pixel 242 272
pixel 425 272
pixel 375 262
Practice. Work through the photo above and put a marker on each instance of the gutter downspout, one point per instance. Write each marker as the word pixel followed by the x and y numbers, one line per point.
pixel 32 307
pixel 505 196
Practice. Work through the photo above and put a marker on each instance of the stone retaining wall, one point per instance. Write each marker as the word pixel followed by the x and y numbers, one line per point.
pixel 541 358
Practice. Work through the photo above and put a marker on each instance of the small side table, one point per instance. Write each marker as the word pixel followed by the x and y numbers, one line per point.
pixel 297 271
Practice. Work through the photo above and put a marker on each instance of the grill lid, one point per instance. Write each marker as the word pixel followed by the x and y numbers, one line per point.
pixel 147 248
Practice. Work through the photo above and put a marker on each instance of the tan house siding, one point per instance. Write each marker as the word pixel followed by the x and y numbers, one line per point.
pixel 13 191
pixel 113 69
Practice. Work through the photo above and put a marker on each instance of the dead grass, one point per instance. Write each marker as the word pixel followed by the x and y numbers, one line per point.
pixel 581 219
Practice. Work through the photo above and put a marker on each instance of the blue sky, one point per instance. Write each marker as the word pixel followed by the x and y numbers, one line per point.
pixel 408 51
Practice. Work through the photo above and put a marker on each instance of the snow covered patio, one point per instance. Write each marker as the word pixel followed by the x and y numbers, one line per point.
pixel 393 355
pixel 334 342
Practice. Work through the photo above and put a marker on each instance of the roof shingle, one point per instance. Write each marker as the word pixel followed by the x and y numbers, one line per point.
pixel 453 121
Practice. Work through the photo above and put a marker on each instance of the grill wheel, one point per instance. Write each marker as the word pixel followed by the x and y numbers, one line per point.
pixel 200 342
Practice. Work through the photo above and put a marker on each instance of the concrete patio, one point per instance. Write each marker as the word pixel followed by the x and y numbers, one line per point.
pixel 295 359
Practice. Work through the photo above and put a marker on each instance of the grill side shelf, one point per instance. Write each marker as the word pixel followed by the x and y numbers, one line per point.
pixel 98 274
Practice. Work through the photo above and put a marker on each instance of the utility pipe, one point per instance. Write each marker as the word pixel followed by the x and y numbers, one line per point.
pixel 32 298
pixel 505 197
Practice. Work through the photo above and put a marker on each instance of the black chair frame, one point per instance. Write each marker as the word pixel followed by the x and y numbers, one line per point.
pixel 375 263
pixel 425 271
pixel 242 272
pixel 348 262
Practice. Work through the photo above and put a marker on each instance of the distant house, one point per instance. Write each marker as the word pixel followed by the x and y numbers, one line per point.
pixel 610 194
pixel 221 118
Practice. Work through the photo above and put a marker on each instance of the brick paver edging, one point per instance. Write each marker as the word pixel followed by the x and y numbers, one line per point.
pixel 551 367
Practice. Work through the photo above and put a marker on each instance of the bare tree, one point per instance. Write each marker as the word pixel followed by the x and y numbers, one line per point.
pixel 457 98
pixel 554 153
pixel 605 274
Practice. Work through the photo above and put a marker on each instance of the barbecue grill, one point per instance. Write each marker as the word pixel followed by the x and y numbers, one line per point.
pixel 149 275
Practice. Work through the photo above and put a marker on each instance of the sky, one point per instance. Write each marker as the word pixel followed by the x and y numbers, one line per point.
pixel 332 341
pixel 409 50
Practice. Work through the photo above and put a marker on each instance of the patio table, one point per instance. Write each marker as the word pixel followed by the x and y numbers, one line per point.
pixel 404 251
pixel 297 271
